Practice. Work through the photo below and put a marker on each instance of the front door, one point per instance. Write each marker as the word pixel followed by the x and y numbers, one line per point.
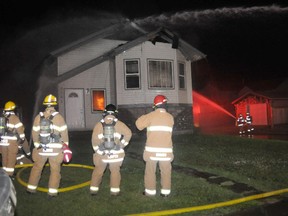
pixel 74 108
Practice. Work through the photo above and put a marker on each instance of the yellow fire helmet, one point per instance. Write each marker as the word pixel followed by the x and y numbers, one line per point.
pixel 10 105
pixel 50 100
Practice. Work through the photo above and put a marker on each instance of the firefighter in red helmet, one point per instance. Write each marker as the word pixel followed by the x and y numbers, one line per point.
pixel 49 135
pixel 109 138
pixel 159 147
pixel 12 137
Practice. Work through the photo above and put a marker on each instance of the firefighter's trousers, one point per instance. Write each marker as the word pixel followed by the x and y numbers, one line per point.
pixel 101 162
pixel 55 169
pixel 241 129
pixel 150 172
pixel 9 156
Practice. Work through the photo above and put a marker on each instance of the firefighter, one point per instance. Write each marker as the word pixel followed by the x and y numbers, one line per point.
pixel 241 124
pixel 50 135
pixel 24 154
pixel 248 122
pixel 109 138
pixel 12 138
pixel 159 147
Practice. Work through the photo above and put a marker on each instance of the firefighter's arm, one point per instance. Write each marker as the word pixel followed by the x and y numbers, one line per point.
pixel 19 128
pixel 142 122
pixel 126 134
pixel 36 131
pixel 97 136
pixel 61 126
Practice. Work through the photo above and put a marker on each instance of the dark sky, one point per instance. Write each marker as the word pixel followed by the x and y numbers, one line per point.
pixel 238 36
pixel 245 41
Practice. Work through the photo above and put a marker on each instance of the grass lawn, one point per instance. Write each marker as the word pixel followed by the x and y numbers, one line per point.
pixel 258 163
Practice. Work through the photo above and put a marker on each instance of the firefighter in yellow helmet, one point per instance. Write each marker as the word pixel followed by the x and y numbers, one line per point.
pixel 159 147
pixel 49 134
pixel 12 138
pixel 109 138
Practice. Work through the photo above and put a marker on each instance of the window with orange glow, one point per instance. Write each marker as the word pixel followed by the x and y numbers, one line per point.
pixel 98 100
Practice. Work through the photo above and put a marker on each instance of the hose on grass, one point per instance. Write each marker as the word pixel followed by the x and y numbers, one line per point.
pixel 156 213
pixel 74 187
pixel 213 205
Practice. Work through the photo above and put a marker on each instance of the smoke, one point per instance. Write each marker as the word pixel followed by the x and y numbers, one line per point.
pixel 203 17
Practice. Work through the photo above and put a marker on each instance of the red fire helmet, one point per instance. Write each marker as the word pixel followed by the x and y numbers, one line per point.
pixel 159 99
pixel 67 153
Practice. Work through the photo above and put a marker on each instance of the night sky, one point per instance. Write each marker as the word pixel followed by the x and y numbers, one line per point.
pixel 245 43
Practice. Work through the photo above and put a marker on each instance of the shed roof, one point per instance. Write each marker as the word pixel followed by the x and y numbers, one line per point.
pixel 276 94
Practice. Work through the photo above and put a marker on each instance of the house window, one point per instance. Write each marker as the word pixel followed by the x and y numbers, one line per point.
pixel 182 76
pixel 160 74
pixel 98 100
pixel 132 74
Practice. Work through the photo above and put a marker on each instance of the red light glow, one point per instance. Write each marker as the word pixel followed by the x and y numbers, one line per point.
pixel 210 102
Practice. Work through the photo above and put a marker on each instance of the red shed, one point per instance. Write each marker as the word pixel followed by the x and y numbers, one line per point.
pixel 266 108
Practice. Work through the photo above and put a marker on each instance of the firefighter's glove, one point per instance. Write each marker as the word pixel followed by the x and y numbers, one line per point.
pixel 102 147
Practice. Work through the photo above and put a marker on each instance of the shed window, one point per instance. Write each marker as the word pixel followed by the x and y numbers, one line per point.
pixel 98 100
pixel 182 76
pixel 132 74
pixel 160 74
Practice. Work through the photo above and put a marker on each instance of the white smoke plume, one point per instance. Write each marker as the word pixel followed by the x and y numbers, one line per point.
pixel 207 16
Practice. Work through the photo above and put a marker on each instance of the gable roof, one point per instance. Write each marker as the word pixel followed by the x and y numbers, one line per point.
pixel 132 35
pixel 271 95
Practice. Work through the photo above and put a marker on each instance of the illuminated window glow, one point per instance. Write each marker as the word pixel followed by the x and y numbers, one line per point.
pixel 98 100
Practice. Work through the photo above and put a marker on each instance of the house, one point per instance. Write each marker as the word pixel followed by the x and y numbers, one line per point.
pixel 123 65
pixel 267 108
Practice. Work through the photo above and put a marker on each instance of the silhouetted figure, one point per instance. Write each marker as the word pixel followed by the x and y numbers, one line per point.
pixel 241 124
pixel 248 123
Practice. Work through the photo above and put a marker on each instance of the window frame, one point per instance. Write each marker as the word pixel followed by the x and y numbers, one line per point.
pixel 180 75
pixel 172 74
pixel 127 75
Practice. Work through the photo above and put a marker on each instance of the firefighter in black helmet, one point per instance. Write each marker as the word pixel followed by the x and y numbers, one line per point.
pixel 241 124
pixel 248 122
pixel 109 138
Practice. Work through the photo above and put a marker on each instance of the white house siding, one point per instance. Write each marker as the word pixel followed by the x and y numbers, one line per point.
pixel 97 77
pixel 85 53
pixel 133 103
pixel 143 52
pixel 184 95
